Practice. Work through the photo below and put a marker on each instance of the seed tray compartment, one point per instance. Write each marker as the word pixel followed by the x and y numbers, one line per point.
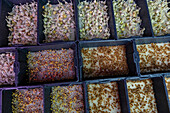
pixel 144 16
pixel 166 90
pixel 5 7
pixel 141 41
pixel 48 90
pixel 130 55
pixel 6 95
pixel 41 35
pixel 159 92
pixel 13 50
pixel 23 76
pixel 123 96
pixel 166 35
pixel 111 21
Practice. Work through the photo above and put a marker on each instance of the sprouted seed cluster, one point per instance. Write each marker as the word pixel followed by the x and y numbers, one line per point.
pixel 59 21
pixel 160 16
pixel 127 18
pixel 7 74
pixel 104 98
pixel 154 57
pixel 28 101
pixel 104 61
pixel 22 24
pixel 141 96
pixel 93 20
pixel 51 65
pixel 167 81
pixel 67 99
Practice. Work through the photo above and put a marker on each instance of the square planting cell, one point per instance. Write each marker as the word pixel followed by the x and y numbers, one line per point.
pixel 128 21
pixel 47 64
pixel 95 19
pixel 7 64
pixel 104 61
pixel 159 14
pixel 67 99
pixel 141 96
pixel 59 20
pixel 154 57
pixel 104 97
pixel 22 23
pixel 51 65
pixel 28 101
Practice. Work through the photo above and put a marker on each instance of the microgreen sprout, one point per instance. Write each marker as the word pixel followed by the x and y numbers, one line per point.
pixel 127 18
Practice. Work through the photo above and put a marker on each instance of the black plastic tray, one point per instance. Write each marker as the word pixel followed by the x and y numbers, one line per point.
pixel 5 7
pixel 144 15
pixel 159 90
pixel 121 89
pixel 112 27
pixel 6 95
pixel 148 41
pixel 11 49
pixel 130 54
pixel 151 20
pixel 23 77
pixel 47 92
pixel 41 35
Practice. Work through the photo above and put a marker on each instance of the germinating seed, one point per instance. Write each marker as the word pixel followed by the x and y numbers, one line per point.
pixel 160 16
pixel 7 74
pixel 22 24
pixel 67 99
pixel 154 57
pixel 104 61
pixel 104 98
pixel 59 21
pixel 51 65
pixel 28 101
pixel 93 20
pixel 127 18
pixel 141 96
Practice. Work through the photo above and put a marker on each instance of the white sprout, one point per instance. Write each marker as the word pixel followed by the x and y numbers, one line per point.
pixel 22 24
pixel 127 20
pixel 160 16
pixel 59 21
pixel 7 74
pixel 93 20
